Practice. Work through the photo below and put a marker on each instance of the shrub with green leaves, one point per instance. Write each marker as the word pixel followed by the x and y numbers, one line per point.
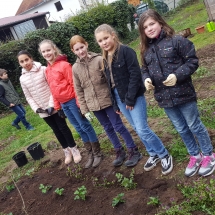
pixel 127 183
pixel 80 193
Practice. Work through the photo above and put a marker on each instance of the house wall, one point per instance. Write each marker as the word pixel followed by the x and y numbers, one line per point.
pixel 69 7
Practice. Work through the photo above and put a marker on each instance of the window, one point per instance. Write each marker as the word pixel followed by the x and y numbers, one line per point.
pixel 58 6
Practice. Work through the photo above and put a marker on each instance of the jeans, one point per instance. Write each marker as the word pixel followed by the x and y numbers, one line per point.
pixel 61 130
pixel 80 123
pixel 187 122
pixel 20 112
pixel 138 120
pixel 112 122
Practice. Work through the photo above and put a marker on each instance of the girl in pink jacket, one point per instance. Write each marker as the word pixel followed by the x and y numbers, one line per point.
pixel 38 95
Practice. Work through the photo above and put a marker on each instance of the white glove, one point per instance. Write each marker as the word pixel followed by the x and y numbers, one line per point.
pixel 170 81
pixel 89 116
pixel 148 84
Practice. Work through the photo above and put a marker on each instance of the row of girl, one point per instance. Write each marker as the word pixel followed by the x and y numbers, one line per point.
pixel 112 84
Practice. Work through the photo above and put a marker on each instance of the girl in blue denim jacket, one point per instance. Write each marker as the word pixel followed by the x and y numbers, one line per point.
pixel 124 78
pixel 168 61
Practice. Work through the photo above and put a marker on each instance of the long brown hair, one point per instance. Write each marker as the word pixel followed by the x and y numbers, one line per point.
pixel 110 30
pixel 143 38
pixel 77 39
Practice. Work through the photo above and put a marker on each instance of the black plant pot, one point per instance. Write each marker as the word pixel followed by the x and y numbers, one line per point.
pixel 36 151
pixel 20 159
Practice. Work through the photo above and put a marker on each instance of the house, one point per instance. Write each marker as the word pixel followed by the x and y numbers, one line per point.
pixel 59 9
pixel 16 27
pixel 87 3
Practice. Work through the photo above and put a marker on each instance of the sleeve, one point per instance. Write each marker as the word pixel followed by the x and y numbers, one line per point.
pixel 186 50
pixel 2 96
pixel 145 72
pixel 79 92
pixel 34 106
pixel 134 76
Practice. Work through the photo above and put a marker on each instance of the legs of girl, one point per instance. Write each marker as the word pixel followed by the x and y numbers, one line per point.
pixel 64 136
pixel 187 122
pixel 112 123
pixel 20 112
pixel 138 120
pixel 84 128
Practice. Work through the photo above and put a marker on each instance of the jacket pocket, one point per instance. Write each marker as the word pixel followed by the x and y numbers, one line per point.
pixel 168 55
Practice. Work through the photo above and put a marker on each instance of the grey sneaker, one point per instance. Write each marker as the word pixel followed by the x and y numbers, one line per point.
pixel 151 163
pixel 166 164
pixel 120 157
pixel 193 166
pixel 134 157
pixel 208 165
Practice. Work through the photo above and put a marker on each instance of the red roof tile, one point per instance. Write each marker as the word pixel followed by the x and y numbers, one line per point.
pixel 19 18
pixel 28 4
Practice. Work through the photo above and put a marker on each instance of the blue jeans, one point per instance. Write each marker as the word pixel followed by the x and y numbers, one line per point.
pixel 187 122
pixel 20 112
pixel 138 120
pixel 112 122
pixel 80 123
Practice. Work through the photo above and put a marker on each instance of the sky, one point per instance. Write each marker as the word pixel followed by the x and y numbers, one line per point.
pixel 10 7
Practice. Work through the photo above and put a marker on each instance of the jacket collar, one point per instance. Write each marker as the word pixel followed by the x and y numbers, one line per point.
pixel 157 40
pixel 59 58
pixel 91 55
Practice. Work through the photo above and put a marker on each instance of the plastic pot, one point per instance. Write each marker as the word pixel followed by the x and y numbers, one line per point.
pixel 36 151
pixel 20 159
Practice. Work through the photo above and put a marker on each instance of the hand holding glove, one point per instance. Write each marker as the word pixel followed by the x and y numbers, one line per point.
pixel 50 110
pixel 170 81
pixel 61 114
pixel 89 116
pixel 148 84
pixel 40 110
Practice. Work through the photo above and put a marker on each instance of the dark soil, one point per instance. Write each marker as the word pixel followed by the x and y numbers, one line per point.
pixel 101 192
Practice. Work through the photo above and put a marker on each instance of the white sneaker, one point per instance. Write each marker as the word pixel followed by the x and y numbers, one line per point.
pixel 76 154
pixel 68 156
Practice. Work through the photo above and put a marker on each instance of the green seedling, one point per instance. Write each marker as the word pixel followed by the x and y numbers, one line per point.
pixel 10 187
pixel 59 191
pixel 29 172
pixel 75 172
pixel 127 183
pixel 118 199
pixel 81 193
pixel 153 201
pixel 44 188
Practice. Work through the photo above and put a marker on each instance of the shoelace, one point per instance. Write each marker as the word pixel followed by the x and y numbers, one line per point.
pixel 164 162
pixel 205 161
pixel 192 161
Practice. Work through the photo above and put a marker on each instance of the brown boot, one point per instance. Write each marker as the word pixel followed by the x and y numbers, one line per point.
pixel 96 154
pixel 90 159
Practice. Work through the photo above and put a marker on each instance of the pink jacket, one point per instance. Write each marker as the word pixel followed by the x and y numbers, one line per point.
pixel 36 88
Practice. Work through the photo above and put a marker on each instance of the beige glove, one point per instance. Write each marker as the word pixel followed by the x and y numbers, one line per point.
pixel 148 84
pixel 170 81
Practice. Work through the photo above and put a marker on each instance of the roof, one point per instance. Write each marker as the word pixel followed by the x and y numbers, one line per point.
pixel 19 18
pixel 29 4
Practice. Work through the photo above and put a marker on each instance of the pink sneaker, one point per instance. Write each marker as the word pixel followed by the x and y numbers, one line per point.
pixel 208 165
pixel 68 156
pixel 76 154
pixel 193 166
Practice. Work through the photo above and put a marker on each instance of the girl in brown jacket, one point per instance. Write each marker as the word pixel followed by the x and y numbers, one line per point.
pixel 93 95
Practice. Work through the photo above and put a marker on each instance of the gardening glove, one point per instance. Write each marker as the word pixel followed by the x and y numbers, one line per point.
pixel 89 116
pixel 148 84
pixel 50 110
pixel 61 114
pixel 170 81
pixel 40 110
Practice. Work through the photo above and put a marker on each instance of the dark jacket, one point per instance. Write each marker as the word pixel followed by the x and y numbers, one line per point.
pixel 171 55
pixel 126 75
pixel 8 94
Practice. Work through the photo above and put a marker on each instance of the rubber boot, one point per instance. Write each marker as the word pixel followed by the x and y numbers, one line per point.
pixel 90 159
pixel 134 157
pixel 120 156
pixel 68 156
pixel 97 155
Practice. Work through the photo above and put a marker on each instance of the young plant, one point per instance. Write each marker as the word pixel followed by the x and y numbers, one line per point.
pixel 10 187
pixel 44 188
pixel 59 191
pixel 75 172
pixel 118 199
pixel 153 201
pixel 127 183
pixel 29 172
pixel 80 193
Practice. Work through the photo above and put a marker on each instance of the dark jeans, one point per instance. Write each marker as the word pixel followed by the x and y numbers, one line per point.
pixel 61 130
pixel 20 112
pixel 112 122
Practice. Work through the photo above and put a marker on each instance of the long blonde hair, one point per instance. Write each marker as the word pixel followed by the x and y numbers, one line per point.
pixel 110 30
pixel 53 45
pixel 143 38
